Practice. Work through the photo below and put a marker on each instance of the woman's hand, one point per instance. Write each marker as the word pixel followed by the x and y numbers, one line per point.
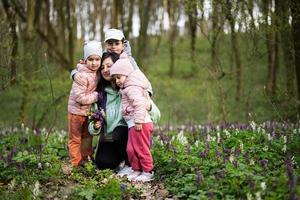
pixel 138 126
pixel 97 125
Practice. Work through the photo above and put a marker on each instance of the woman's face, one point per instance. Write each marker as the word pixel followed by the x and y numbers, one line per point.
pixel 106 64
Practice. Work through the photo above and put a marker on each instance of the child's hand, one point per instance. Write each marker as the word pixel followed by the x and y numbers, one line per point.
pixel 81 61
pixel 97 125
pixel 138 126
pixel 78 78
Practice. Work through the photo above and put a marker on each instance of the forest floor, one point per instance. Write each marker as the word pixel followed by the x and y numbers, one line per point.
pixel 153 190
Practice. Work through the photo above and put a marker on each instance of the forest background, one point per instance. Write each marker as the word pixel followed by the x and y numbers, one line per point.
pixel 209 61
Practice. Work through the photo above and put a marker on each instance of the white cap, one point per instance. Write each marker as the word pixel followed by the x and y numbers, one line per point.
pixel 113 34
pixel 92 48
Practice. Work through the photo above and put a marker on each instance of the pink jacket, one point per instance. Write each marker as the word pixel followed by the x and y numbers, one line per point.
pixel 82 96
pixel 135 98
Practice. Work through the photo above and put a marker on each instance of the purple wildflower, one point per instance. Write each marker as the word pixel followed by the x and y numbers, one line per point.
pixel 290 174
pixel 247 157
pixel 123 187
pixel 263 163
pixel 162 177
pixel 203 154
pixel 235 163
pixel 251 184
pixel 188 149
pixel 237 152
pixel 218 154
pixel 199 177
pixel 210 195
pixel 220 174
pixel 207 146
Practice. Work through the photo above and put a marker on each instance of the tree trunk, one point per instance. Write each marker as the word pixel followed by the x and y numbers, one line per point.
pixel 295 9
pixel 192 16
pixel 287 45
pixel 161 21
pixel 275 48
pixel 102 20
pixel 128 29
pixel 26 83
pixel 215 34
pixel 11 16
pixel 117 5
pixel 144 7
pixel 235 50
pixel 173 19
pixel 270 40
pixel 71 25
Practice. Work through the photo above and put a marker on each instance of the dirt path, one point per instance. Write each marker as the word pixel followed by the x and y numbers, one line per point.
pixel 153 191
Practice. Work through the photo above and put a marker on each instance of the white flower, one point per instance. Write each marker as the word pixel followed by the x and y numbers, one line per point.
pixel 284 139
pixel 213 138
pixel 242 147
pixel 284 148
pixel 197 143
pixel 258 196
pixel 181 138
pixel 259 129
pixel 249 196
pixel 294 162
pixel 237 131
pixel 269 137
pixel 208 139
pixel 263 185
pixel 218 137
pixel 36 190
pixel 40 165
pixel 231 158
pixel 251 162
pixel 266 148
pixel 253 125
pixel 12 184
pixel 104 181
pixel 172 139
pixel 227 133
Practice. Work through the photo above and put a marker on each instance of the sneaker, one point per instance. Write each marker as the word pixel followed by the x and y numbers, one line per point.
pixel 145 177
pixel 126 170
pixel 133 175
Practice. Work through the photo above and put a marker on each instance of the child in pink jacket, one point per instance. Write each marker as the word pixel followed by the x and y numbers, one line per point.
pixel 80 99
pixel 135 106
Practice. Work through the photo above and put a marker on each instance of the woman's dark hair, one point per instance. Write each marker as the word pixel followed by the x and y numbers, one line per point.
pixel 102 83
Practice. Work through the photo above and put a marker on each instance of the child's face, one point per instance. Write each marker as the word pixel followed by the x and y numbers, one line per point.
pixel 120 79
pixel 115 46
pixel 106 64
pixel 93 62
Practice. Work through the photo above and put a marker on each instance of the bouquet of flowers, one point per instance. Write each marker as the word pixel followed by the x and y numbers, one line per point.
pixel 96 115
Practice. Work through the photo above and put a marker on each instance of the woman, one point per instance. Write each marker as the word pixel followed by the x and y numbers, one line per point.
pixel 111 148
